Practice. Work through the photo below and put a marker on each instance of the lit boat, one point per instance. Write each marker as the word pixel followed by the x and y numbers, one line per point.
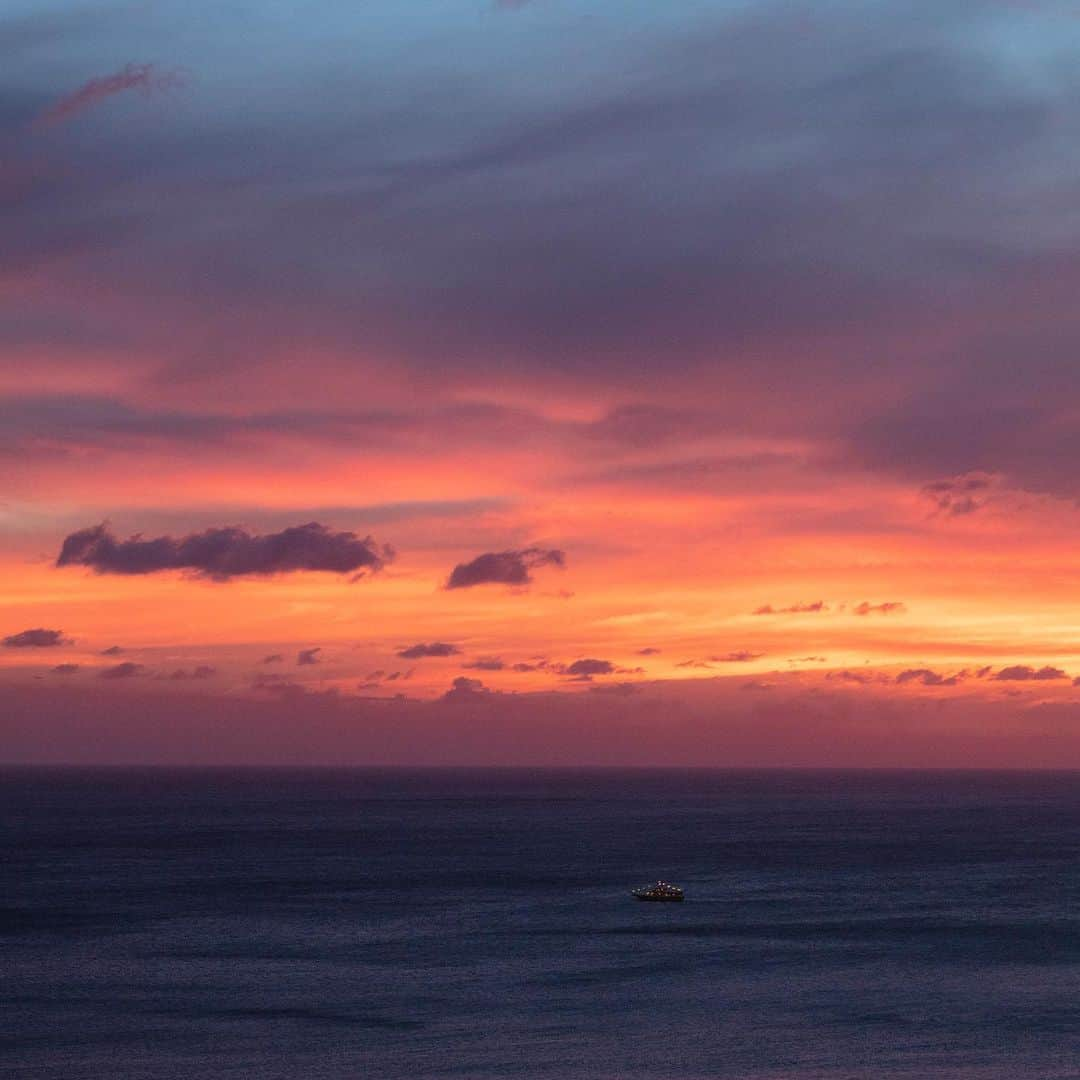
pixel 661 891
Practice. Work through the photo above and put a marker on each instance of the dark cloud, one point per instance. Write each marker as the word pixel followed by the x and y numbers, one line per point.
pixel 203 671
pixel 504 567
pixel 485 663
pixel 467 691
pixel 586 668
pixel 927 677
pixel 38 638
pixel 225 553
pixel 431 648
pixel 279 685
pixel 891 607
pixel 859 185
pixel 794 609
pixel 273 658
pixel 862 678
pixel 65 669
pixel 959 495
pixel 126 670
pixel 1024 673
pixel 307 657
pixel 756 684
pixel 739 656
pixel 608 247
pixel 112 650
pixel 648 651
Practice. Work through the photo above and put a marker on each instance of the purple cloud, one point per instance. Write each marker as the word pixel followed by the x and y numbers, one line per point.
pixel 126 670
pixel 431 648
pixel 504 567
pixel 467 691
pixel 863 678
pixel 203 671
pixel 64 669
pixel 959 495
pixel 225 553
pixel 308 657
pixel 585 669
pixel 485 663
pixel 1025 673
pixel 38 638
pixel 112 650
pixel 927 677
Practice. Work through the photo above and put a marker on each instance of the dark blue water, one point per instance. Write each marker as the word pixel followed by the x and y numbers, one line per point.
pixel 304 925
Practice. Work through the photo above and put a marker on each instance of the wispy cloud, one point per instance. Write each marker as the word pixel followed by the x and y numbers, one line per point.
pixel 144 78
pixel 890 607
pixel 792 609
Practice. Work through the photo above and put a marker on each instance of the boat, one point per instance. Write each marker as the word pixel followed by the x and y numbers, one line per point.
pixel 661 891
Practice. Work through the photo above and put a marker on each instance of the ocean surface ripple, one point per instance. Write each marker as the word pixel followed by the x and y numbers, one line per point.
pixel 299 925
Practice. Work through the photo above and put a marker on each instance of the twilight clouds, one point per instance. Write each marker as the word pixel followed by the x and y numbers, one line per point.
pixel 621 353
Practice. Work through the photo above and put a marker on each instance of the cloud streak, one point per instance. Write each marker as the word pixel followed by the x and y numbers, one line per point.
pixel 144 78
pixel 890 607
pixel 793 609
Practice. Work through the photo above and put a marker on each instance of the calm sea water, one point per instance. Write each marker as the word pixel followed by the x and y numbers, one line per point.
pixel 301 925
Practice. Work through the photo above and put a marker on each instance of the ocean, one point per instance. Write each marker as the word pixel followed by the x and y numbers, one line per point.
pixel 160 924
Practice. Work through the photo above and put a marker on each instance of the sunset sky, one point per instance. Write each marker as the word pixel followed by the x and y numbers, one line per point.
pixel 463 381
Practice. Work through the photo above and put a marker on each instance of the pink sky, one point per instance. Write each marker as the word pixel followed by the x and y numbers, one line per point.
pixel 729 374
